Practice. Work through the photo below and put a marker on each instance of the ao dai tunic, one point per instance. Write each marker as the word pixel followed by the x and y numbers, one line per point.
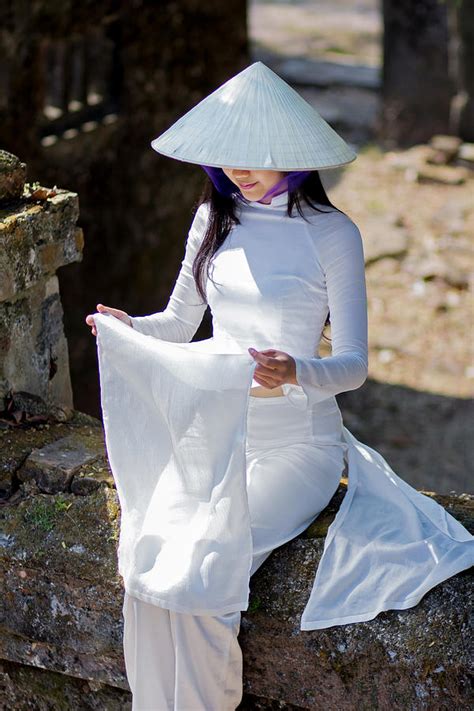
pixel 185 521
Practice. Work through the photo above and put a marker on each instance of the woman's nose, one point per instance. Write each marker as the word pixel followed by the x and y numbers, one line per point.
pixel 240 173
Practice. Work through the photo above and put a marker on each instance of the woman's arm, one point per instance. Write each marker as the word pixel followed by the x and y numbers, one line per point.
pixel 341 256
pixel 181 318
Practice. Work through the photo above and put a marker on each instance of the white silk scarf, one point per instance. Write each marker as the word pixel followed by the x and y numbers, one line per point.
pixel 175 417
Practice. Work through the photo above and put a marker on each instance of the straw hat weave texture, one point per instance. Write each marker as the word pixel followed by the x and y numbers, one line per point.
pixel 255 120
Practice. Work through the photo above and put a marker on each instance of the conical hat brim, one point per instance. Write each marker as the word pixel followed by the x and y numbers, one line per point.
pixel 255 120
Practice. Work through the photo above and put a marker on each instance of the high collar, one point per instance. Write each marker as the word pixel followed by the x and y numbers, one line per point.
pixel 280 200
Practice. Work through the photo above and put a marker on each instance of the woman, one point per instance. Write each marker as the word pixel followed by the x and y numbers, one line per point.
pixel 274 259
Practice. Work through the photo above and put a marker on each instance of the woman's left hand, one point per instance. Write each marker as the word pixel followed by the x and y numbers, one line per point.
pixel 273 368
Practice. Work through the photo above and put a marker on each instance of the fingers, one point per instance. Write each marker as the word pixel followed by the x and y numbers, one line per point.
pixel 271 371
pixel 109 309
pixel 268 364
pixel 102 309
pixel 271 376
pixel 260 358
pixel 90 322
pixel 267 382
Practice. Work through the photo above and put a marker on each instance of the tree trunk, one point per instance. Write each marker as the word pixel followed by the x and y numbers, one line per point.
pixel 417 87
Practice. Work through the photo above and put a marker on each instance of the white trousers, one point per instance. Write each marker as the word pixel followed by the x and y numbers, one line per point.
pixel 181 662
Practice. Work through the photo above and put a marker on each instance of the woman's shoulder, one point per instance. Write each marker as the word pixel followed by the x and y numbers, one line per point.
pixel 334 233
pixel 199 221
pixel 201 213
pixel 330 223
pixel 327 215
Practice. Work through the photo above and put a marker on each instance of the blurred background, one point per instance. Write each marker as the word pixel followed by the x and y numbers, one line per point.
pixel 85 87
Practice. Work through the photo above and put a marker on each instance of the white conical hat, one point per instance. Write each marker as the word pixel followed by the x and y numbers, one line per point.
pixel 255 120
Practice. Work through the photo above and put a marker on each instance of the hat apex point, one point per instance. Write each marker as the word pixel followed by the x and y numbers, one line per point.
pixel 259 65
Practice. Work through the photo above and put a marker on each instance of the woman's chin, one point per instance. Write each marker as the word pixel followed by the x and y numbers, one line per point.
pixel 253 193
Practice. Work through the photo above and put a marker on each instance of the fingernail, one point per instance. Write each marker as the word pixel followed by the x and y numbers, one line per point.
pixel 252 351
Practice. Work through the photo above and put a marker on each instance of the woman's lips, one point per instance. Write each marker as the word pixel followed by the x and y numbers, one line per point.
pixel 246 186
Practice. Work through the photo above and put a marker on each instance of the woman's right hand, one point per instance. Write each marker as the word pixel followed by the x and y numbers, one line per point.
pixel 121 315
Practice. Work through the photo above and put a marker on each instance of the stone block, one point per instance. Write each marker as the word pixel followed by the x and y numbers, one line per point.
pixel 54 691
pixel 12 177
pixel 445 146
pixel 443 174
pixel 53 466
pixel 34 356
pixel 36 238
pixel 466 155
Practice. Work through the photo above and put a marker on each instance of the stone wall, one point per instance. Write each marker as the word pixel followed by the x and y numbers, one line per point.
pixel 38 235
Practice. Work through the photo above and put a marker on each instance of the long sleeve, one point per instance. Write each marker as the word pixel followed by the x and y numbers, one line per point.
pixel 341 256
pixel 181 318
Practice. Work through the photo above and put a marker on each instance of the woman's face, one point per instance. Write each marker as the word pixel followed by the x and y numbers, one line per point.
pixel 253 184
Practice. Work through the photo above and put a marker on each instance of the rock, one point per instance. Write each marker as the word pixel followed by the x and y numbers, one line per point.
pixel 28 403
pixel 12 177
pixel 61 550
pixel 409 158
pixel 466 155
pixel 61 414
pixel 422 163
pixel 445 147
pixel 52 467
pixel 438 158
pixel 18 680
pixel 427 163
pixel 384 240
pixel 16 444
pixel 435 266
pixel 445 175
pixel 83 486
pixel 36 239
pixel 250 702
pixel 62 611
pixel 42 459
